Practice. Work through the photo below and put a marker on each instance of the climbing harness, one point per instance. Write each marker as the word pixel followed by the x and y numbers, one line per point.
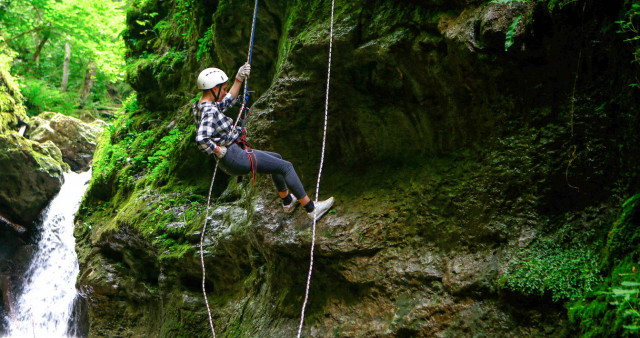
pixel 324 139
pixel 242 142
pixel 215 170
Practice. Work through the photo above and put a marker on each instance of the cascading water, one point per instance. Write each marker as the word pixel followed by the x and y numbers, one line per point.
pixel 46 303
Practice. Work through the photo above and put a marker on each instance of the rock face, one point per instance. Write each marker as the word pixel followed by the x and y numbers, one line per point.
pixel 450 129
pixel 76 139
pixel 31 176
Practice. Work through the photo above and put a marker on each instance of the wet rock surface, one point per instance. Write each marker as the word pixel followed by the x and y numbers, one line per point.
pixel 31 176
pixel 75 138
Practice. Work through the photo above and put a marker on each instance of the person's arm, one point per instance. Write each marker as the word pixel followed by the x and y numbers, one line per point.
pixel 235 88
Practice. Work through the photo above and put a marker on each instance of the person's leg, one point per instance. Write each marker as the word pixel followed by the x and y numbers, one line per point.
pixel 283 173
pixel 278 179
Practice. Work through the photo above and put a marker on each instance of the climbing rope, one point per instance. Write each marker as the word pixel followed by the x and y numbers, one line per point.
pixel 249 56
pixel 324 139
pixel 215 170
pixel 204 229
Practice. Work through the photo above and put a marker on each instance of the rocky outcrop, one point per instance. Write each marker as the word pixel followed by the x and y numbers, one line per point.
pixel 31 176
pixel 76 139
pixel 449 129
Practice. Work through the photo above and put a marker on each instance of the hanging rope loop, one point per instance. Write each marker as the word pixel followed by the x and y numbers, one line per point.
pixel 324 142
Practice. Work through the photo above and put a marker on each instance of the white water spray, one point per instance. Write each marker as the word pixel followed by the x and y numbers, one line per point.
pixel 45 305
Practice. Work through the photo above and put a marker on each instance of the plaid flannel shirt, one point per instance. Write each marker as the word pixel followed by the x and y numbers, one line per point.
pixel 213 127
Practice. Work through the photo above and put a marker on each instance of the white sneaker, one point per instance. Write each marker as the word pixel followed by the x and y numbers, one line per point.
pixel 321 208
pixel 291 206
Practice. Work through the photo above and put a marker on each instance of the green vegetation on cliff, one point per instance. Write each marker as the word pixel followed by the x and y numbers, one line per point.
pixel 11 107
pixel 613 308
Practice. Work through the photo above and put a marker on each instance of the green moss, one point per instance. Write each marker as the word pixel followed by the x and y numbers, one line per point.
pixel 623 241
pixel 49 158
pixel 11 107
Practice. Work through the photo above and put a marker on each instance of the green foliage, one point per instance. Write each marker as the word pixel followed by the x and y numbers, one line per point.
pixel 41 96
pixel 131 103
pixel 92 27
pixel 38 31
pixel 623 241
pixel 508 42
pixel 204 43
pixel 6 55
pixel 10 96
pixel 159 162
pixel 611 310
pixel 548 268
pixel 630 26
pixel 184 18
pixel 168 61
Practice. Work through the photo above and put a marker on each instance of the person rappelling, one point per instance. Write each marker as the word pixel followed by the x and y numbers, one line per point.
pixel 217 135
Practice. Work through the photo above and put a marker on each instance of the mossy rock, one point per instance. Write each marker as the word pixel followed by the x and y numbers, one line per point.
pixel 11 108
pixel 623 242
pixel 32 173
pixel 75 139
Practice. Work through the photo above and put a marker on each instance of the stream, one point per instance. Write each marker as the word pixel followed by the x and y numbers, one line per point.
pixel 45 305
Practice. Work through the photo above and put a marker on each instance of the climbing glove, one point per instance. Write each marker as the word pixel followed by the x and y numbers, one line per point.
pixel 243 72
pixel 222 150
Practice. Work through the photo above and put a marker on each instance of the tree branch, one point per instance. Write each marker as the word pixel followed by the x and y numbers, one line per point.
pixel 17 228
pixel 37 29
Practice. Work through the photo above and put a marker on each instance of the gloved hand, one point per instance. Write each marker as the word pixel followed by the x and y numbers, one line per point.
pixel 222 150
pixel 243 72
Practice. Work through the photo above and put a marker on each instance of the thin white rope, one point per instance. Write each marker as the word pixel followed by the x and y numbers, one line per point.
pixel 324 140
pixel 204 229
pixel 215 170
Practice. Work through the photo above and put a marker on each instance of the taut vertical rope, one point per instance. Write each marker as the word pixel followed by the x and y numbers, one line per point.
pixel 324 139
pixel 215 170
pixel 249 57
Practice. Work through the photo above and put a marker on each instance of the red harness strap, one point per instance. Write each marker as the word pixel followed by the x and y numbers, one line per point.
pixel 242 142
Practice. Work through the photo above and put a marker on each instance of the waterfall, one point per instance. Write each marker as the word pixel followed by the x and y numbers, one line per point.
pixel 46 303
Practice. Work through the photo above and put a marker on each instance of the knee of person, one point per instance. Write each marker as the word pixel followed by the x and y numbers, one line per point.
pixel 287 166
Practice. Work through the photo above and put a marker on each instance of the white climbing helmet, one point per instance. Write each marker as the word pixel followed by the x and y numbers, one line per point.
pixel 210 78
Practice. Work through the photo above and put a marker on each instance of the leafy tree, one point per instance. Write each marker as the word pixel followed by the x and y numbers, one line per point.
pixel 39 30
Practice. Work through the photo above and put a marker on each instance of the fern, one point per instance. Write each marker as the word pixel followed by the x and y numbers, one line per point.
pixel 509 39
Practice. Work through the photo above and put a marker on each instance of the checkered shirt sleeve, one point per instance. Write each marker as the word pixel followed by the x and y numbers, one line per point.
pixel 214 128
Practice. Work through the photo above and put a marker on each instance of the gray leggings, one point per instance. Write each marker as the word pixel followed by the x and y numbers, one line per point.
pixel 236 162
